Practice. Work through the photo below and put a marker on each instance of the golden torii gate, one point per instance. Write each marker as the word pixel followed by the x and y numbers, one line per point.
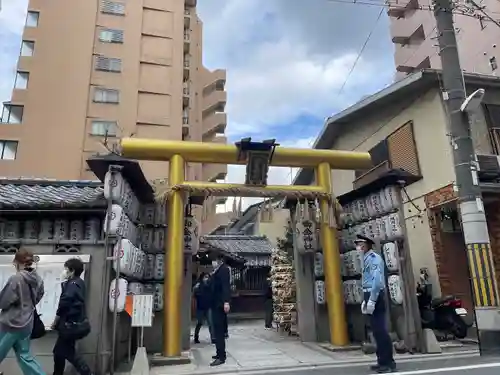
pixel 177 153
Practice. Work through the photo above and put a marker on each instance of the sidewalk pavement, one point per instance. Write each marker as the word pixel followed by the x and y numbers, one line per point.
pixel 250 347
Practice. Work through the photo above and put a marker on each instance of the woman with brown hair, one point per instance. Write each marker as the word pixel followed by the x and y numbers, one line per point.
pixel 18 300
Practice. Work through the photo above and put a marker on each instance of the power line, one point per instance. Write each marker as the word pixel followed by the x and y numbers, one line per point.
pixel 383 6
pixel 396 6
pixel 360 53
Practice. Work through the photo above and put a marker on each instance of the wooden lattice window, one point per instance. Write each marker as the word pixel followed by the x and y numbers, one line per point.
pixel 403 150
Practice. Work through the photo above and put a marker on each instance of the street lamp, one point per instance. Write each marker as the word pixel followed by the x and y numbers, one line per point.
pixel 473 101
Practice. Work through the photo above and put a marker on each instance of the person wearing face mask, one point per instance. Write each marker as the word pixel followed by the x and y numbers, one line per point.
pixel 18 300
pixel 71 321
pixel 374 303
pixel 221 295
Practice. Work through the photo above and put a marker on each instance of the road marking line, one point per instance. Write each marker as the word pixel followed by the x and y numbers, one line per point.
pixel 338 366
pixel 449 369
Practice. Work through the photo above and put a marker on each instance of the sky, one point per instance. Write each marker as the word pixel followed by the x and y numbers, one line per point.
pixel 286 62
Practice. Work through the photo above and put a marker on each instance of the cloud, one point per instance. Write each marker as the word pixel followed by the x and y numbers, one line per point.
pixel 289 58
pixel 286 61
pixel 12 19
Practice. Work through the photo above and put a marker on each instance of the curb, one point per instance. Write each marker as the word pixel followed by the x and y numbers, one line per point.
pixel 340 363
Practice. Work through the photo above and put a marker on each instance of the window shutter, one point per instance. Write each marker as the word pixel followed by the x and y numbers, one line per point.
pixel 108 64
pixel 111 35
pixel 106 96
pixel 111 7
pixel 103 128
pixel 403 150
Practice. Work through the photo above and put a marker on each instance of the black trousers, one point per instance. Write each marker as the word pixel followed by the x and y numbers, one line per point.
pixel 219 318
pixel 226 332
pixel 202 316
pixel 268 308
pixel 64 350
pixel 385 356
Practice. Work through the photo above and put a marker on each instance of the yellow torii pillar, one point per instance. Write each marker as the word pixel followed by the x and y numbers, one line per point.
pixel 177 153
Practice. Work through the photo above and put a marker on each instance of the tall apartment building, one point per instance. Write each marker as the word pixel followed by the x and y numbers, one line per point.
pixel 413 31
pixel 96 68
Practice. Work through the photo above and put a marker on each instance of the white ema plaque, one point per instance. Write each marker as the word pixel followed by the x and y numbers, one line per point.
pixel 142 310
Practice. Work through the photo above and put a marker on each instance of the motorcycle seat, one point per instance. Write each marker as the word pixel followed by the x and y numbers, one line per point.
pixel 438 301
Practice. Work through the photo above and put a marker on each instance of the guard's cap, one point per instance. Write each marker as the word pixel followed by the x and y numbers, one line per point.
pixel 361 238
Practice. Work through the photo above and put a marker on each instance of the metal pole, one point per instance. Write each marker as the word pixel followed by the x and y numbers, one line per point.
pixel 331 256
pixel 413 326
pixel 116 257
pixel 474 225
pixel 174 258
pixel 105 280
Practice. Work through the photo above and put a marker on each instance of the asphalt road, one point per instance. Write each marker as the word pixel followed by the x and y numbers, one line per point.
pixel 474 365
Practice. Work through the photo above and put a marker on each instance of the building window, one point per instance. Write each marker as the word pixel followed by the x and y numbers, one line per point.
pixel 108 64
pixel 111 7
pixel 104 128
pixel 22 79
pixel 111 36
pixel 106 96
pixel 32 18
pixel 8 149
pixel 27 48
pixel 12 114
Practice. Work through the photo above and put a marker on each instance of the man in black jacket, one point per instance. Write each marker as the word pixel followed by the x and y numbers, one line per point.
pixel 71 309
pixel 221 296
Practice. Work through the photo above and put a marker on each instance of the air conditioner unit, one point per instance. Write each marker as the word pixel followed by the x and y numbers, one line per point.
pixel 489 167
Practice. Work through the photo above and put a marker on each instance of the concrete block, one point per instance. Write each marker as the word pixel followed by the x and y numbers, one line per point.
pixel 431 345
pixel 159 360
pixel 141 363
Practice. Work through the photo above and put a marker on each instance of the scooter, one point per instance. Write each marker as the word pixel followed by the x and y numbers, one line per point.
pixel 445 314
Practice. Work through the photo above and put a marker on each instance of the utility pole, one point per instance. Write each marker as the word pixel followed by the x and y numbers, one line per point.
pixel 474 225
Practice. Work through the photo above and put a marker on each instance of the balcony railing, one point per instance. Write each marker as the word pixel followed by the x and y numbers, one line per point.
pixel 187 18
pixel 187 63
pixel 185 89
pixel 185 120
pixel 495 140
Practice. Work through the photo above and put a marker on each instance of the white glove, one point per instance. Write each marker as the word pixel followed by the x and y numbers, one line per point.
pixel 363 307
pixel 370 307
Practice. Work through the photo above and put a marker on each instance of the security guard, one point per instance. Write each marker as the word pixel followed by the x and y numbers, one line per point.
pixel 374 303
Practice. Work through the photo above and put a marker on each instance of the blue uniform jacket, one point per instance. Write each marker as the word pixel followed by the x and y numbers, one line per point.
pixel 373 274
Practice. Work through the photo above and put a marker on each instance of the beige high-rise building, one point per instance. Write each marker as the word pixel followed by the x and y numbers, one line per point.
pixel 413 32
pixel 88 69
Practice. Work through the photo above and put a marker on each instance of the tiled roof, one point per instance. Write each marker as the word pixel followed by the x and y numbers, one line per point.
pixel 42 193
pixel 239 244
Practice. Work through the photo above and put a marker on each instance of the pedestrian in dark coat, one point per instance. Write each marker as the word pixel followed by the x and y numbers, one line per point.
pixel 71 312
pixel 220 282
pixel 268 305
pixel 202 293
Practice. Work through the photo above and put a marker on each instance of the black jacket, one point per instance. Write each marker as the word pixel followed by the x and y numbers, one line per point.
pixel 269 291
pixel 220 283
pixel 72 301
pixel 202 293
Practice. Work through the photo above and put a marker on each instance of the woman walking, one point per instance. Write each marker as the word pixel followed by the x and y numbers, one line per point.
pixel 71 321
pixel 18 300
pixel 202 293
